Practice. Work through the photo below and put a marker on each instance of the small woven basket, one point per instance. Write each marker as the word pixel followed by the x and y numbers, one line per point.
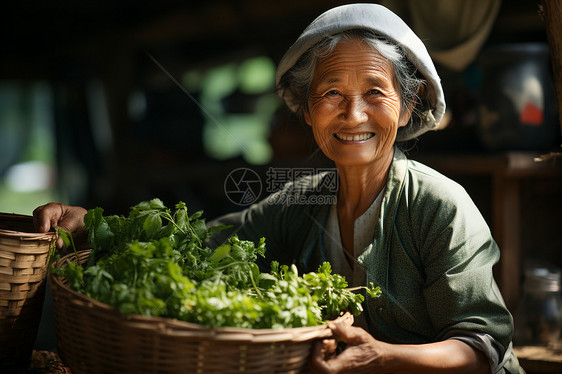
pixel 93 337
pixel 23 271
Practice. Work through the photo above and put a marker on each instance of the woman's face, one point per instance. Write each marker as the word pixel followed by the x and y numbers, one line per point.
pixel 354 105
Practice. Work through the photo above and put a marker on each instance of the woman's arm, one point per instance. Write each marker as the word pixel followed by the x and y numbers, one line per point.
pixel 365 354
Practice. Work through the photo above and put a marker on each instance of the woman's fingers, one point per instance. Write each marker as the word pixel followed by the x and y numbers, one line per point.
pixel 351 335
pixel 47 216
pixel 323 363
pixel 329 347
pixel 318 361
pixel 51 215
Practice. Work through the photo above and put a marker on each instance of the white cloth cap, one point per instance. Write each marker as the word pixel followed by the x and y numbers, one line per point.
pixel 381 21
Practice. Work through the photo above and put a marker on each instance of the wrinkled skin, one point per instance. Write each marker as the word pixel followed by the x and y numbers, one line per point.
pixel 354 93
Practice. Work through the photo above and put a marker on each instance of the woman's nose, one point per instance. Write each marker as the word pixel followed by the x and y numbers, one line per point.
pixel 354 111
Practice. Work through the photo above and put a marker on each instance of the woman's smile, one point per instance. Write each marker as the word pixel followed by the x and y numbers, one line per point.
pixel 354 138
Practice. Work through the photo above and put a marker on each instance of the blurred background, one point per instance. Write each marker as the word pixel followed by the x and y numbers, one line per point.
pixel 109 103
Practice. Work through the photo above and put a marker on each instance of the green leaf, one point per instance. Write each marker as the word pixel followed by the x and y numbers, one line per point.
pixel 213 229
pixel 196 215
pixel 180 216
pixel 152 224
pixel 373 291
pixel 200 229
pixel 64 235
pixel 267 280
pixel 156 204
pixel 220 253
pixel 102 236
pixel 93 218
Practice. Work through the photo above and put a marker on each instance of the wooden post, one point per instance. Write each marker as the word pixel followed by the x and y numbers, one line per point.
pixel 506 227
pixel 552 15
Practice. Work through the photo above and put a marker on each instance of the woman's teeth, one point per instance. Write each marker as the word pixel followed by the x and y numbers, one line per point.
pixel 358 137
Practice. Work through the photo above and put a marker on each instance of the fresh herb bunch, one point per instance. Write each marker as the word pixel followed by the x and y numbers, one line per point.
pixel 156 262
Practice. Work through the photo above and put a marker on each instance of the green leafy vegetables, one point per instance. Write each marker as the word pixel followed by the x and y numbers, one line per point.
pixel 156 262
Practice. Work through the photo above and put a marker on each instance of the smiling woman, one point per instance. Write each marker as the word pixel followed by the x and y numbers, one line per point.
pixel 363 80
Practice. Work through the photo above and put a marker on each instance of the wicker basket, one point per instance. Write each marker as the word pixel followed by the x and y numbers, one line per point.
pixel 93 337
pixel 23 270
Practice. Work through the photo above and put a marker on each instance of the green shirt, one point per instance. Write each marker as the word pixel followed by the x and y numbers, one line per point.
pixel 432 254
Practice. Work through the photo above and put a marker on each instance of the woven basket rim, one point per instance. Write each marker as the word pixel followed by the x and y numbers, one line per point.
pixel 49 236
pixel 178 328
pixel 24 235
pixel 15 215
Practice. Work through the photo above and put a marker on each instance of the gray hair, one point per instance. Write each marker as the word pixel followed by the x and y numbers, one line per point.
pixel 297 80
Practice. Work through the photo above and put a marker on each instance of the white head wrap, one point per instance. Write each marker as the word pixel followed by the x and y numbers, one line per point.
pixel 381 21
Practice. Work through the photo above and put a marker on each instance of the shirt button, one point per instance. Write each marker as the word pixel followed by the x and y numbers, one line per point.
pixel 381 309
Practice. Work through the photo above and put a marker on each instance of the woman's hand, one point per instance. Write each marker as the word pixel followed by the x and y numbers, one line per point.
pixel 51 215
pixel 360 355
pixel 365 354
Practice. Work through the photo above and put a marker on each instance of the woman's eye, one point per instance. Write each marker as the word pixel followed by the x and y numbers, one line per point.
pixel 332 93
pixel 374 92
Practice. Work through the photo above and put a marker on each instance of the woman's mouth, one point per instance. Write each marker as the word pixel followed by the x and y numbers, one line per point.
pixel 354 137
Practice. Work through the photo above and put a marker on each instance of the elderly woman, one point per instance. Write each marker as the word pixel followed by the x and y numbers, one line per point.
pixel 363 80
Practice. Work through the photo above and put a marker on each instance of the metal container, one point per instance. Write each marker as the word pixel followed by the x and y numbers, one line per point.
pixel 538 319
